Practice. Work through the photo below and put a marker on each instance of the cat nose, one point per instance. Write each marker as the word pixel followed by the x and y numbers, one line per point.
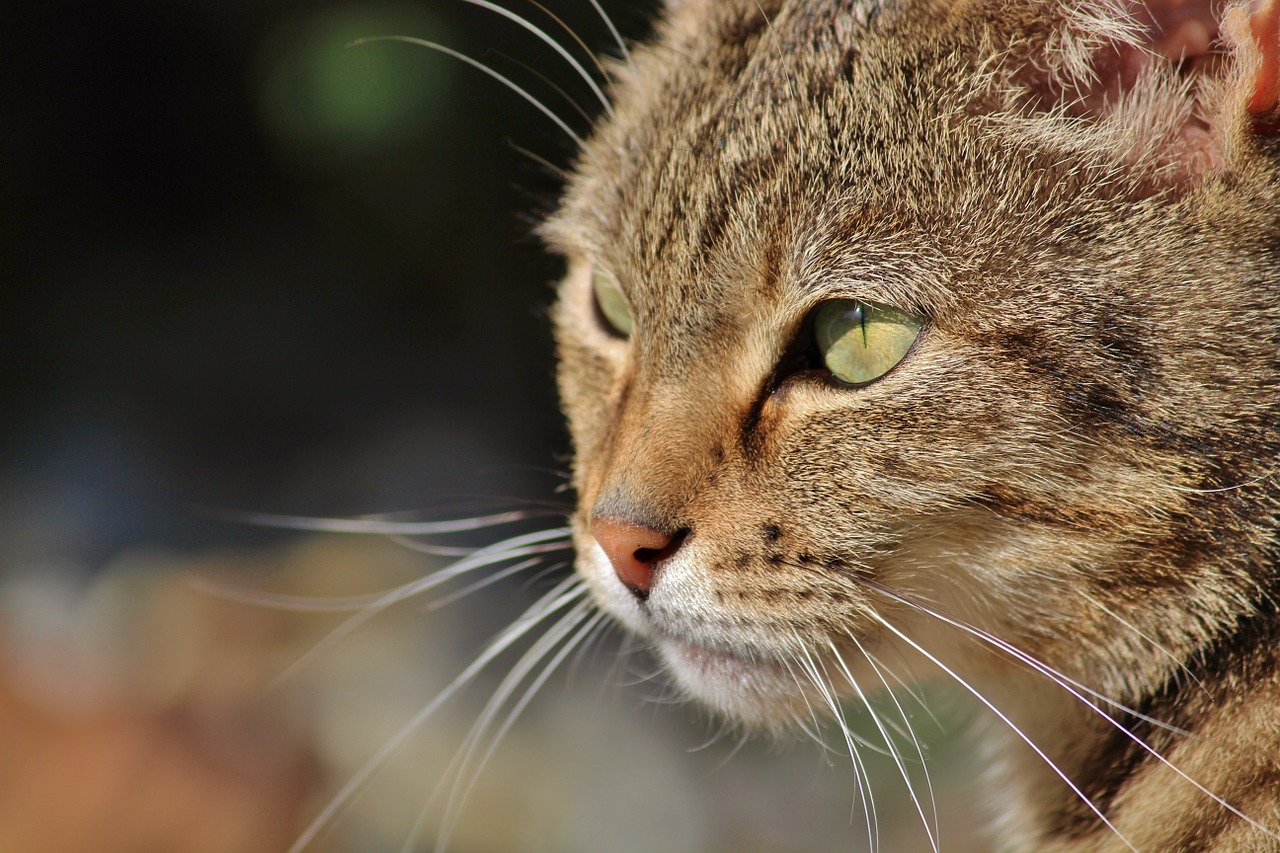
pixel 634 550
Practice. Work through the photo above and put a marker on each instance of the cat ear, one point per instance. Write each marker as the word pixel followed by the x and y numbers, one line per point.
pixel 1171 88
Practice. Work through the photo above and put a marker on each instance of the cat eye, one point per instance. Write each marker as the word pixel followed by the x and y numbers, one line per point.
pixel 610 303
pixel 861 341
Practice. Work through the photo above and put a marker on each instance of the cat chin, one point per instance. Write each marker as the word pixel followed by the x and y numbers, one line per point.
pixel 753 692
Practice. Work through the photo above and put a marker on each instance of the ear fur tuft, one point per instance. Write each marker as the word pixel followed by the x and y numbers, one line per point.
pixel 1170 89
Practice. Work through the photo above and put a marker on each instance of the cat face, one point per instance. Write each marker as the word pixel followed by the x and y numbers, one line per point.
pixel 1074 243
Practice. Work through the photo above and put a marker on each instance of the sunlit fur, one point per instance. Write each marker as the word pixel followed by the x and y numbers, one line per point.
pixel 1063 497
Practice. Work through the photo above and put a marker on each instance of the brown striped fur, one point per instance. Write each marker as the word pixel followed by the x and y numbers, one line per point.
pixel 1077 456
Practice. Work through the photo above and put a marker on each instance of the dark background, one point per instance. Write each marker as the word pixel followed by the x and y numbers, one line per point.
pixel 245 266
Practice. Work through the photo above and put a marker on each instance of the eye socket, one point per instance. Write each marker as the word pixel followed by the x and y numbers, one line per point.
pixel 861 341
pixel 611 304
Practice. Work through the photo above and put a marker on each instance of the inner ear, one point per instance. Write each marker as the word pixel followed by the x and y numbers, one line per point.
pixel 1166 87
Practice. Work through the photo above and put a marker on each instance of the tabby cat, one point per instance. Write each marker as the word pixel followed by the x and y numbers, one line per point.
pixel 943 336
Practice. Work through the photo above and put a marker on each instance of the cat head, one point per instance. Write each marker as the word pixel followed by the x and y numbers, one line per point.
pixel 883 315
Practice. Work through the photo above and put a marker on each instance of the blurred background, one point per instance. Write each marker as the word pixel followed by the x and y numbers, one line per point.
pixel 246 267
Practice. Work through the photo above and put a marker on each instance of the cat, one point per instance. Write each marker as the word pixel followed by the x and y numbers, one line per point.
pixel 941 337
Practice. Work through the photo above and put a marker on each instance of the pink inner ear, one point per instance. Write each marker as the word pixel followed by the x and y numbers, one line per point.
pixel 1265 24
pixel 1182 32
pixel 1183 36
pixel 1160 97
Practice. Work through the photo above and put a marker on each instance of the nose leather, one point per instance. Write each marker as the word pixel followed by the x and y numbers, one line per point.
pixel 634 551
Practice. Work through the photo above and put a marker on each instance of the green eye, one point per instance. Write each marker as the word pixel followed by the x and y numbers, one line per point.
pixel 611 302
pixel 862 341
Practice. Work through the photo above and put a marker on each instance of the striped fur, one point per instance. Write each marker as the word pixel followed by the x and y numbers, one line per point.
pixel 1076 459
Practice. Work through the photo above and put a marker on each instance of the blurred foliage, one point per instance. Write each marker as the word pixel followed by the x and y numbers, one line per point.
pixel 325 85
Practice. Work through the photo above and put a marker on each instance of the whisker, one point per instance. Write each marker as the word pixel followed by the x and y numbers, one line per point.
pixel 552 43
pixel 372 524
pixel 591 645
pixel 486 581
pixel 1064 680
pixel 739 742
pixel 553 601
pixel 573 35
pixel 567 624
pixel 347 603
pixel 617 37
pixel 541 161
pixel 861 776
pixel 555 87
pixel 413 544
pixel 813 732
pixel 711 740
pixel 508 549
pixel 902 685
pixel 1071 686
pixel 1012 727
pixel 480 66
pixel 897 757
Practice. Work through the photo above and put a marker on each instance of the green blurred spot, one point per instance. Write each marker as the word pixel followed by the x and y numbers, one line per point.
pixel 320 91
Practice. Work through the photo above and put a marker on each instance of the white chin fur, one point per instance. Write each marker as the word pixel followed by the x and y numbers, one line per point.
pixel 758 694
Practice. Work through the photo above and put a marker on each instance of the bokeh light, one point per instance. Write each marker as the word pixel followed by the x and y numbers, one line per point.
pixel 332 84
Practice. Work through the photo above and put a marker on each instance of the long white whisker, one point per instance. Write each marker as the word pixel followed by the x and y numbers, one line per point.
pixel 348 603
pixel 552 43
pixel 548 82
pixel 617 37
pixel 1012 727
pixel 554 600
pixel 814 733
pixel 480 66
pixel 591 645
pixel 509 549
pixel 373 524
pixel 863 778
pixel 488 580
pixel 414 545
pixel 859 739
pixel 903 685
pixel 1064 680
pixel 897 757
pixel 571 621
pixel 1071 686
pixel 595 60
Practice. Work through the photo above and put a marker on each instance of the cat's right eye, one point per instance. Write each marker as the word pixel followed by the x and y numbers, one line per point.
pixel 861 341
pixel 611 304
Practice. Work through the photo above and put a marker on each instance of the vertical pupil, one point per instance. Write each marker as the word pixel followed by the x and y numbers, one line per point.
pixel 858 314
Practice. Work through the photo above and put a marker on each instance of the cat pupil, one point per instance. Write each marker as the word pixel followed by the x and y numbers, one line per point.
pixel 861 341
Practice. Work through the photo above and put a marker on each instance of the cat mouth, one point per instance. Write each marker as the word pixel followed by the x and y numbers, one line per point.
pixel 709 662
pixel 749 687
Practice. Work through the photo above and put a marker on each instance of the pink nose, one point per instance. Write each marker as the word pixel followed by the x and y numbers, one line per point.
pixel 634 551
